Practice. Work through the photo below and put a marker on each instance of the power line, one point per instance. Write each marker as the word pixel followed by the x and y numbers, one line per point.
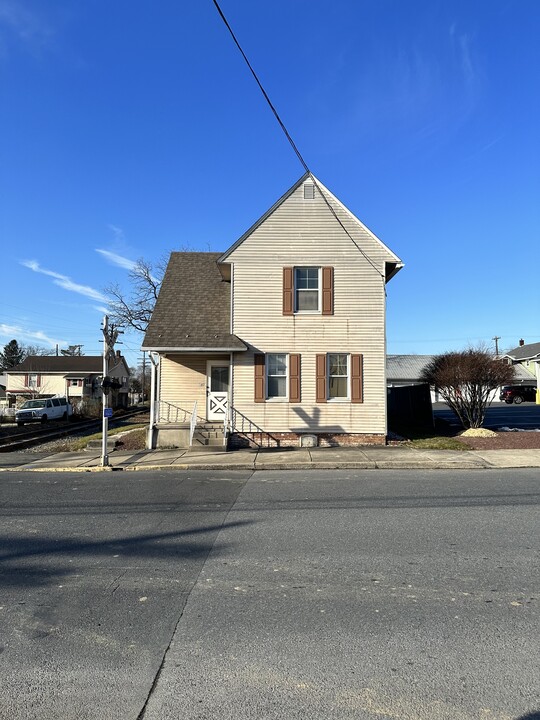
pixel 280 121
pixel 291 141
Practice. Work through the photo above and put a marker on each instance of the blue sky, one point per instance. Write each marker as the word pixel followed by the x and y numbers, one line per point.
pixel 132 129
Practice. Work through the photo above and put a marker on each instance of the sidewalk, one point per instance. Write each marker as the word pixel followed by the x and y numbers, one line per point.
pixel 277 459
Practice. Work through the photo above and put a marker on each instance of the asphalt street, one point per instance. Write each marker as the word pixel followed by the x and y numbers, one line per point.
pixel 319 594
pixel 524 417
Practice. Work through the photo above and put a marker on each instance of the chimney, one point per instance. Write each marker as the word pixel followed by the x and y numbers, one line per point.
pixel 521 343
pixel 119 353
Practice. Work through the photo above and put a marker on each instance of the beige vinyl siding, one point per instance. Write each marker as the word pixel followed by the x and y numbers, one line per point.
pixel 50 384
pixel 305 233
pixel 183 380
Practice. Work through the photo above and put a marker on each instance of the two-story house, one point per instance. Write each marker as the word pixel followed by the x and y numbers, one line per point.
pixel 76 377
pixel 281 336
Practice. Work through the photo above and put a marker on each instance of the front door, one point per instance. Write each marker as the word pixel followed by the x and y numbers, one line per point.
pixel 217 390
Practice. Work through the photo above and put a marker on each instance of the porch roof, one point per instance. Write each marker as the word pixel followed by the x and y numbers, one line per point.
pixel 192 312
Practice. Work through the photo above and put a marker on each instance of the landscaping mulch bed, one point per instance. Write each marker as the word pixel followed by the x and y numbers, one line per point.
pixel 524 440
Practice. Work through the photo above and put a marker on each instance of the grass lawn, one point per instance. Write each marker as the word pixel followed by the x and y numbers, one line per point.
pixel 439 437
pixel 82 442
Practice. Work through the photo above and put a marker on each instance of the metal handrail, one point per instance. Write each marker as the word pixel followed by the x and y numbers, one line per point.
pixel 171 413
pixel 240 423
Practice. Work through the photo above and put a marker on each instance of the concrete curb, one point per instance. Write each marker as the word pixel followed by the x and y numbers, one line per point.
pixel 381 465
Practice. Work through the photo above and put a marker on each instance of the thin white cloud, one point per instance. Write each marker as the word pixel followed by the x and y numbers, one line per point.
pixel 15 331
pixel 64 281
pixel 118 232
pixel 101 309
pixel 25 26
pixel 118 260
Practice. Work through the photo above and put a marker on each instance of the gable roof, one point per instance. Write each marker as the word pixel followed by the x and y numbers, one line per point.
pixel 406 367
pixel 59 364
pixel 193 308
pixel 524 352
pixel 67 364
pixel 392 259
pixel 409 368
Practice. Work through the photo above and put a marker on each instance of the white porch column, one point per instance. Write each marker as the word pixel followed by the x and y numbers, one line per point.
pixel 154 397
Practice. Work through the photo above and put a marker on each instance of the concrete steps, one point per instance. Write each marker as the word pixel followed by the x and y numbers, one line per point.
pixel 209 437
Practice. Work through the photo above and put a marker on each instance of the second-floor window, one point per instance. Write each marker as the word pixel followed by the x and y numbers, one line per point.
pixel 32 380
pixel 306 289
pixel 309 290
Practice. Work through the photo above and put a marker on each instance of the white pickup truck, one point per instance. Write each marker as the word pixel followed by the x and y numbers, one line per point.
pixel 41 410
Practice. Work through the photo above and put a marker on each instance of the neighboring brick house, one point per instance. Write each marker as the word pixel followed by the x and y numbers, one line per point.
pixel 76 377
pixel 281 336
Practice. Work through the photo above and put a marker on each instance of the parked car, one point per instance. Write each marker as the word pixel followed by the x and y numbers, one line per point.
pixel 518 393
pixel 43 409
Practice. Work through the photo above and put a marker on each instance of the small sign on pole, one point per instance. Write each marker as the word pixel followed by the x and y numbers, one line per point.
pixel 107 412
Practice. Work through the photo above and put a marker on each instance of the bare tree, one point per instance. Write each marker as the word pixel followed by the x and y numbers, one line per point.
pixel 29 350
pixel 465 380
pixel 133 308
pixel 73 351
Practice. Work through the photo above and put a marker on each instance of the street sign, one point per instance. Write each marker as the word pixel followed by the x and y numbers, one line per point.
pixel 107 412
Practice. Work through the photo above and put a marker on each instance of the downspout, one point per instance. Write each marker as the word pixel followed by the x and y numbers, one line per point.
pixel 154 391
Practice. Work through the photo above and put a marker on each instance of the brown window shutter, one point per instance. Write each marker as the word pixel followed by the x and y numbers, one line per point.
pixel 260 379
pixel 26 381
pixel 320 371
pixel 38 382
pixel 357 381
pixel 294 378
pixel 328 291
pixel 288 291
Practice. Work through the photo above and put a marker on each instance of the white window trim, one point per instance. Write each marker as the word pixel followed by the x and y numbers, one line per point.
pixel 319 290
pixel 284 398
pixel 338 399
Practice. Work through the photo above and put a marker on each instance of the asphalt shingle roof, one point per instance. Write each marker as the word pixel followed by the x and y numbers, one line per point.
pixel 409 367
pixel 523 352
pixel 60 364
pixel 193 307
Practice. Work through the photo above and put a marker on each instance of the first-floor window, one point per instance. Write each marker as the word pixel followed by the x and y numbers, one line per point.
pixel 338 375
pixel 276 375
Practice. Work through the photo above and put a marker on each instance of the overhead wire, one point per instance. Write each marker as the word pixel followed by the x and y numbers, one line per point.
pixel 290 140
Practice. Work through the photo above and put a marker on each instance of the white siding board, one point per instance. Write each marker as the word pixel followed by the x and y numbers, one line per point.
pixel 183 380
pixel 304 232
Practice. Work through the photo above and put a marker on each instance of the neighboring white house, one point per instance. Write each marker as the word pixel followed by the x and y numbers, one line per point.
pixel 406 370
pixel 527 357
pixel 76 377
pixel 282 335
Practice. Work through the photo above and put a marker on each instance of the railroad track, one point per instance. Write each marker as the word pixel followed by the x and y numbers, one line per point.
pixel 22 440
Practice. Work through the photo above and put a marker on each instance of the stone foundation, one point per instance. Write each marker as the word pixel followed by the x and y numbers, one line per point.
pixel 289 439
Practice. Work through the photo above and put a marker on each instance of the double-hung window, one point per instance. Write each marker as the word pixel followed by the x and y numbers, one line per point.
pixel 307 289
pixel 338 376
pixel 276 376
pixel 32 380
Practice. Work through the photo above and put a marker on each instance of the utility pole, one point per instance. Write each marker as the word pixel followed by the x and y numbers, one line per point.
pixel 110 335
pixel 496 338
